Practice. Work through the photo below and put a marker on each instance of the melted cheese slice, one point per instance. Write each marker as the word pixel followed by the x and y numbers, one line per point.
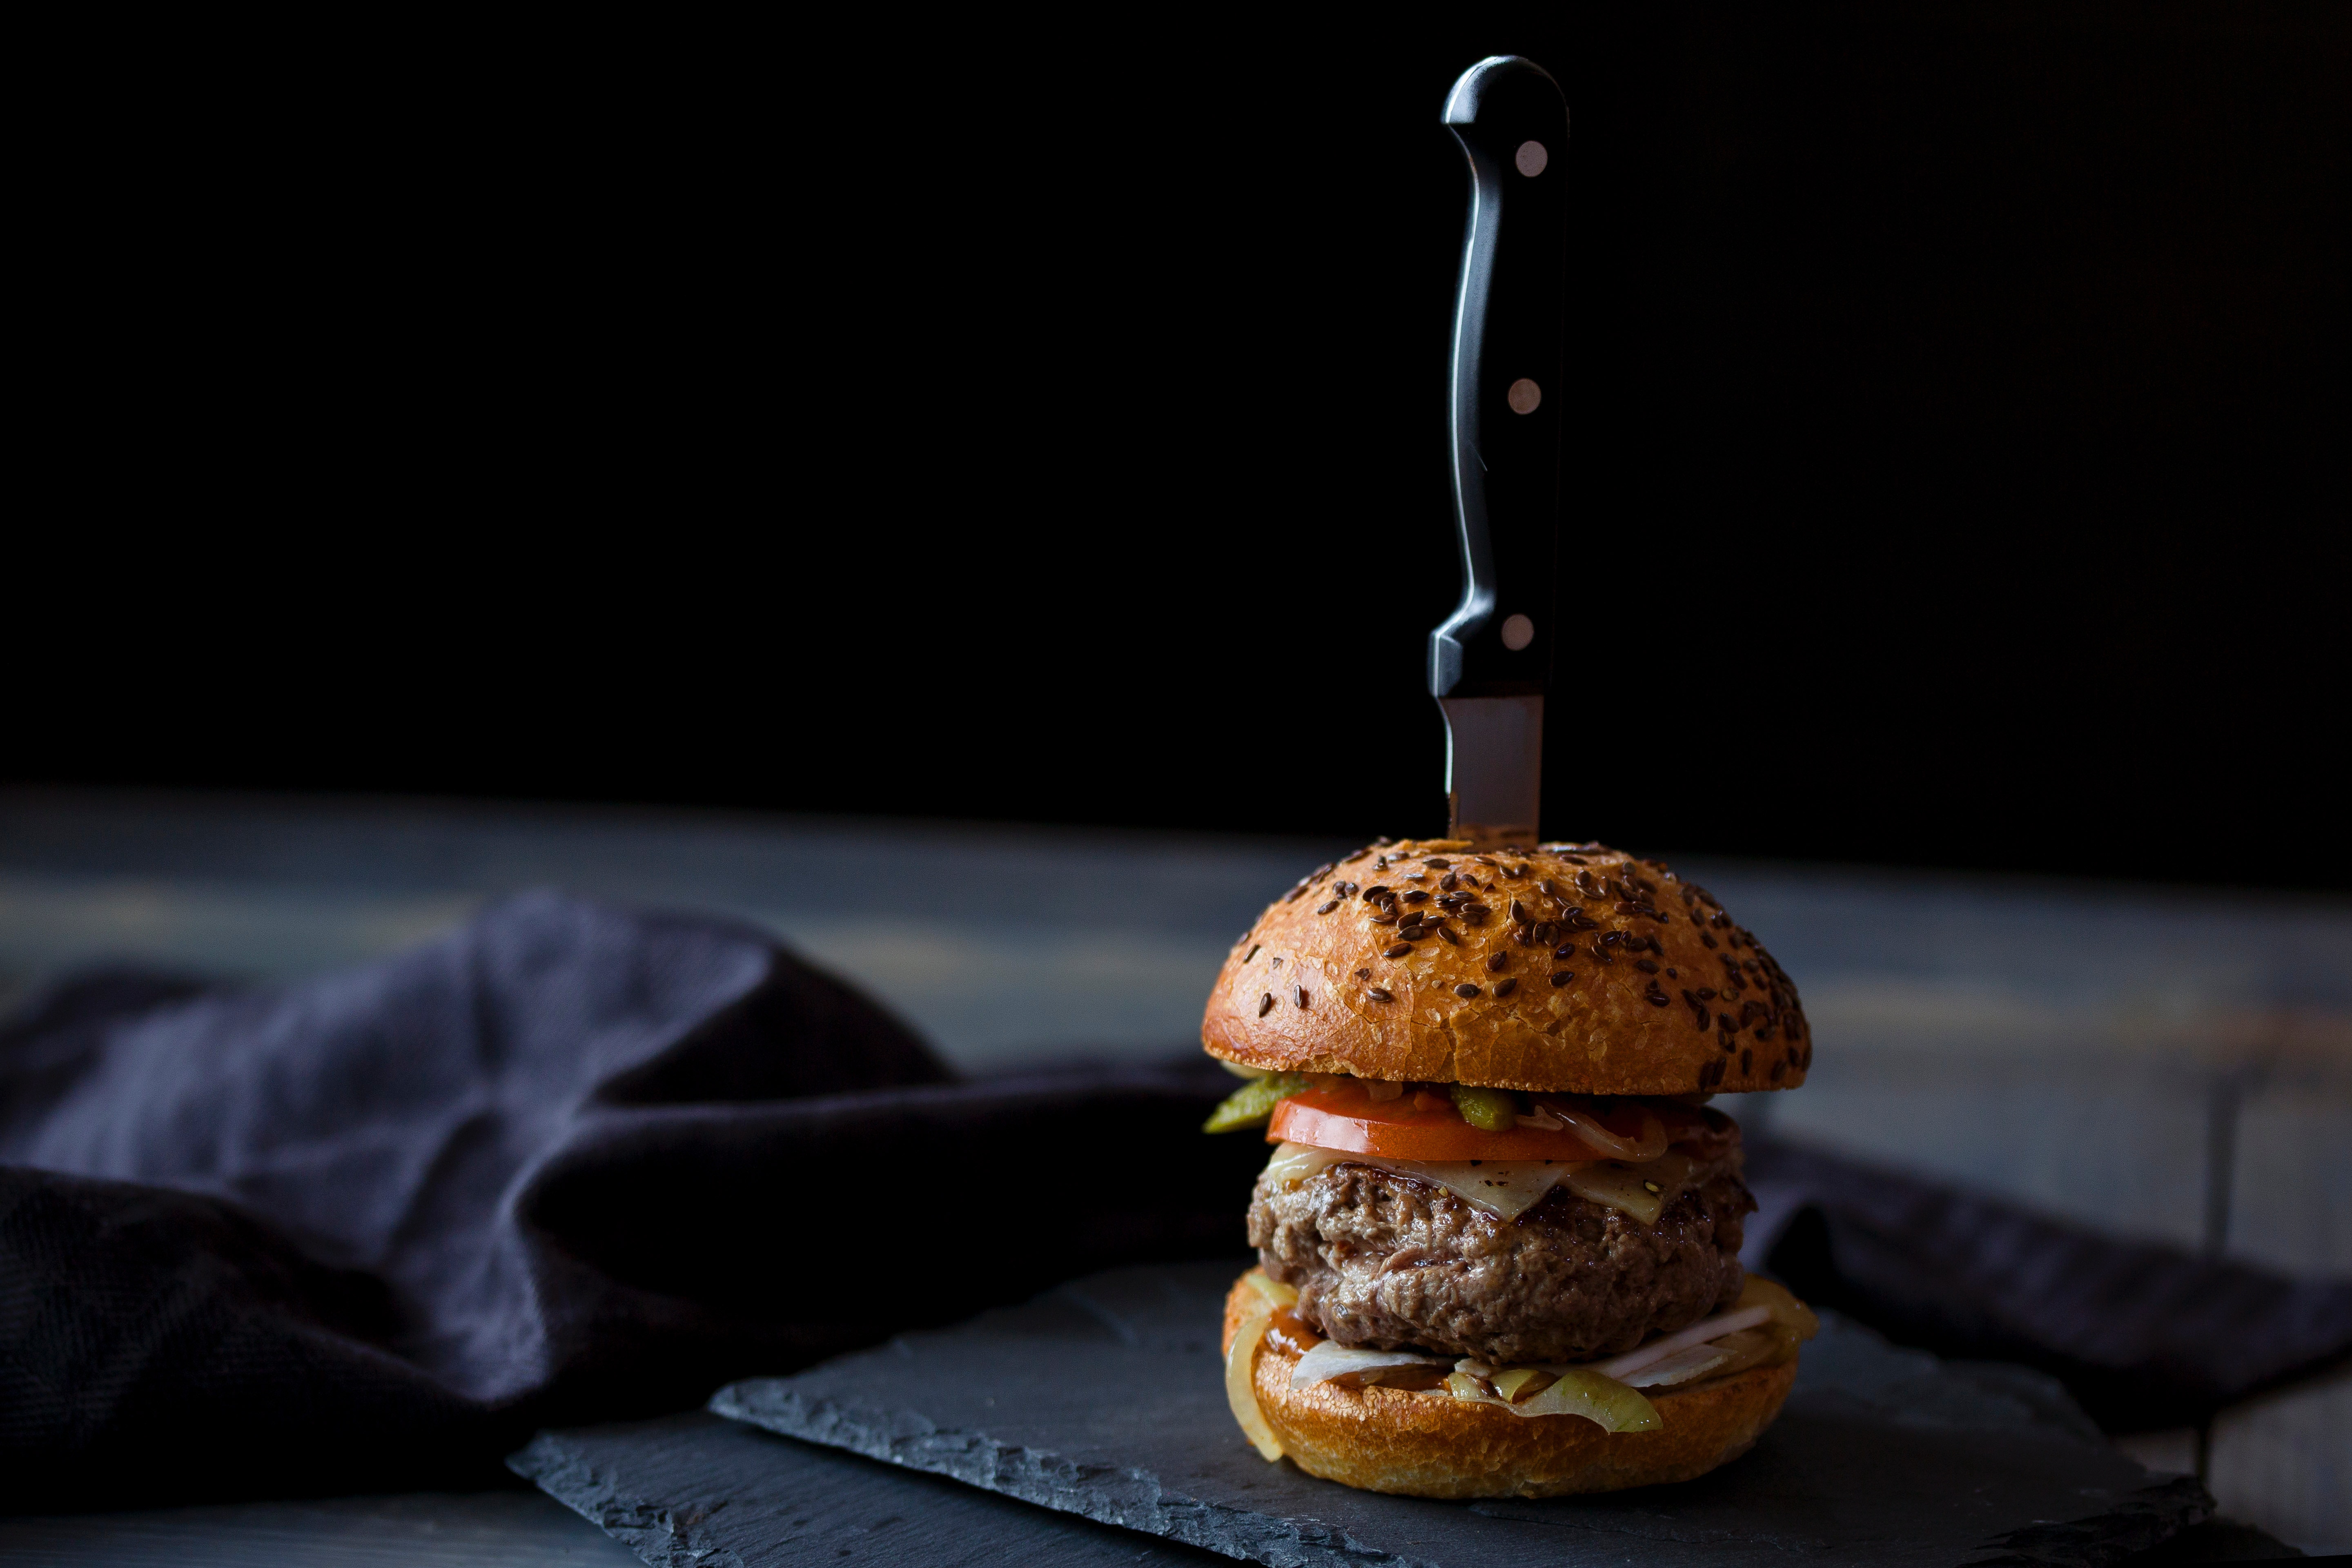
pixel 1509 1188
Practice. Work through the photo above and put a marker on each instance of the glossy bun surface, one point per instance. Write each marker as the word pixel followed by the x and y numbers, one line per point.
pixel 1575 969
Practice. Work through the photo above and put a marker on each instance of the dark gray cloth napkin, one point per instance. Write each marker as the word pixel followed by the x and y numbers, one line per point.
pixel 566 1163
pixel 2145 1337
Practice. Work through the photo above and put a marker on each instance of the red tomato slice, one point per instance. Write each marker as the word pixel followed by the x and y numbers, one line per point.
pixel 1421 1126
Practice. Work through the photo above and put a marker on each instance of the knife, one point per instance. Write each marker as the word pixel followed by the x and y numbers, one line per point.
pixel 1491 660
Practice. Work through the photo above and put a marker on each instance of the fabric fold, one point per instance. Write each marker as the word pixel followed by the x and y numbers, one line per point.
pixel 568 1163
pixel 2146 1336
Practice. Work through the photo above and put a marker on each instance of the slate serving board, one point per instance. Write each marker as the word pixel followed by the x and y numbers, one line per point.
pixel 695 1491
pixel 1104 1399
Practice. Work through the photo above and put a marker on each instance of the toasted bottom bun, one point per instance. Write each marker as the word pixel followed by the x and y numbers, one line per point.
pixel 1432 1445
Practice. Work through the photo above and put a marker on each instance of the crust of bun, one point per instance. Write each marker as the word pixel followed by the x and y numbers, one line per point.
pixel 1613 1028
pixel 1431 1445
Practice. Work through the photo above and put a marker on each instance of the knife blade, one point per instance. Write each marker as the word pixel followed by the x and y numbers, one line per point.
pixel 1490 661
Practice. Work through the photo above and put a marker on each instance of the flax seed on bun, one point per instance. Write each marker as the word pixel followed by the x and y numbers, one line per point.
pixel 1563 968
pixel 1424 1445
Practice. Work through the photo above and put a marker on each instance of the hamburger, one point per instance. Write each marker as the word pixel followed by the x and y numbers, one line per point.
pixel 1498 1234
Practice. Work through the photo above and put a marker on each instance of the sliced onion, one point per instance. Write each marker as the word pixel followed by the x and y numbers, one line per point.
pixel 1648 1146
pixel 1241 1362
pixel 1580 1391
pixel 1791 1319
pixel 1271 1289
pixel 1330 1359
pixel 1698 1334
pixel 1508 1384
pixel 1749 1347
pixel 1680 1367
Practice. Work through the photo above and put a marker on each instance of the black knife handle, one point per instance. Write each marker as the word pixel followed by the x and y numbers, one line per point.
pixel 1508 393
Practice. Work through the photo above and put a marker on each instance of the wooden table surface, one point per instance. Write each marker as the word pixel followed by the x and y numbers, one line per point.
pixel 418 1530
pixel 2161 1063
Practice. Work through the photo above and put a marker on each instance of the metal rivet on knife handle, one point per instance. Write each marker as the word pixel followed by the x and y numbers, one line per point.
pixel 1530 159
pixel 1518 632
pixel 1525 396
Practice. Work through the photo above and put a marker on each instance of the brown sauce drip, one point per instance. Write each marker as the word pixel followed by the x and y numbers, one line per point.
pixel 1290 1333
pixel 1411 1378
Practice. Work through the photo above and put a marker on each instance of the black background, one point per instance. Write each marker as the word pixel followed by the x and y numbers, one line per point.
pixel 991 418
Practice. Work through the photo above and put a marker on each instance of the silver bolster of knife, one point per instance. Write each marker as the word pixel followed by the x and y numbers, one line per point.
pixel 1494 767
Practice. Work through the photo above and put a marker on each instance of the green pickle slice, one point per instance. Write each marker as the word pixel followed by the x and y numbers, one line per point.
pixel 1488 1110
pixel 1252 1105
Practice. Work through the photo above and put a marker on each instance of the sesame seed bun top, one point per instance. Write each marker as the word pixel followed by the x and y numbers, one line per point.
pixel 1569 968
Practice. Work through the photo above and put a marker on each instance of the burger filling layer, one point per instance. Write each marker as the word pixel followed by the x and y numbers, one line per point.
pixel 1391 1257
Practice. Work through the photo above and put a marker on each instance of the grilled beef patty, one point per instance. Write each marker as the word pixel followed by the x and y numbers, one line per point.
pixel 1382 1259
